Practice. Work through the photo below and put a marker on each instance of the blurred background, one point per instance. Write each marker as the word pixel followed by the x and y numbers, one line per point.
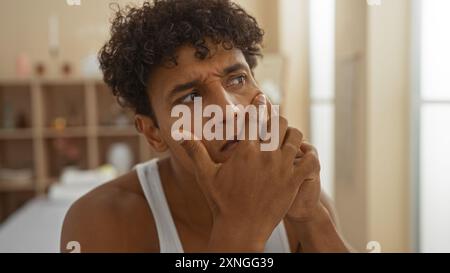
pixel 365 80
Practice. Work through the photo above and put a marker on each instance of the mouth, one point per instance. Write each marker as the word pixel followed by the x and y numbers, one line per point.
pixel 229 145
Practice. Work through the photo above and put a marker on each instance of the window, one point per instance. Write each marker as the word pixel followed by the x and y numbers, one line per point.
pixel 322 62
pixel 432 118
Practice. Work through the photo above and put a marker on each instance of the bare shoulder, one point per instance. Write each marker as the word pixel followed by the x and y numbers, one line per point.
pixel 114 217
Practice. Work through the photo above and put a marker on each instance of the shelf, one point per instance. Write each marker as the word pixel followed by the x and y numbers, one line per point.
pixel 67 132
pixel 109 113
pixel 68 81
pixel 124 148
pixel 14 81
pixel 47 183
pixel 11 186
pixel 65 104
pixel 17 154
pixel 64 152
pixel 47 124
pixel 105 131
pixel 15 106
pixel 48 80
pixel 16 134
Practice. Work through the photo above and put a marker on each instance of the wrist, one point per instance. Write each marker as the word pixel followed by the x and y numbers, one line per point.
pixel 316 222
pixel 319 233
pixel 237 236
pixel 311 216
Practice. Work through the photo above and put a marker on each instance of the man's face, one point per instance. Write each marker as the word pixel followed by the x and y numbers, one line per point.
pixel 223 78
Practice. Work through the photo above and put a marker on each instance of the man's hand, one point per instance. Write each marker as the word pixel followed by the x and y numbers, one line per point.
pixel 251 192
pixel 313 223
pixel 311 219
pixel 307 201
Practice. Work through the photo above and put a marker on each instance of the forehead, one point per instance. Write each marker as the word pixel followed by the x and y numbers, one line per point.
pixel 189 67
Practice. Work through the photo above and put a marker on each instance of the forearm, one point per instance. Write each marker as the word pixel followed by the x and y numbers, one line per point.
pixel 319 234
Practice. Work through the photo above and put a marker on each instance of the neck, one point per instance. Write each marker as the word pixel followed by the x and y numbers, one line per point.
pixel 188 203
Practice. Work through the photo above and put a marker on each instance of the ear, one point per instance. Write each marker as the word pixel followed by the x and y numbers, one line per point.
pixel 146 126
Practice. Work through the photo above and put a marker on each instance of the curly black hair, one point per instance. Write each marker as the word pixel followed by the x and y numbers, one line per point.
pixel 147 36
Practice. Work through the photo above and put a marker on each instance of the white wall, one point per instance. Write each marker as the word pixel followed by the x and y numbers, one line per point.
pixel 83 29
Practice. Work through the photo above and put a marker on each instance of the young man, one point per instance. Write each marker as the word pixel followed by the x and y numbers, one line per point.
pixel 217 195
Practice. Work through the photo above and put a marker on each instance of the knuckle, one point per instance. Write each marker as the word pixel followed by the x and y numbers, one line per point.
pixel 291 148
pixel 313 161
pixel 296 133
pixel 309 157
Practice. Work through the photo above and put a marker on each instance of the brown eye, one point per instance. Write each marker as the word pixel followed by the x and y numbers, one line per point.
pixel 190 97
pixel 240 80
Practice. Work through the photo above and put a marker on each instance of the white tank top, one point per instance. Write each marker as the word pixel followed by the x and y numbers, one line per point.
pixel 169 241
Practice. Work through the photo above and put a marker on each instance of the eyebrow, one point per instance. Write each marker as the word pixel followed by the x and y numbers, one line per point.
pixel 233 68
pixel 186 86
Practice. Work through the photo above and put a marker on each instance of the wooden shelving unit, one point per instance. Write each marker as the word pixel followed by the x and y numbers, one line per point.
pixel 52 113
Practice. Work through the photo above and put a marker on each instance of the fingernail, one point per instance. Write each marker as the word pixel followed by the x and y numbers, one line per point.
pixel 261 99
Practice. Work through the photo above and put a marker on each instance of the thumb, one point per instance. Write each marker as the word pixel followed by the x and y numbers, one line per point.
pixel 196 150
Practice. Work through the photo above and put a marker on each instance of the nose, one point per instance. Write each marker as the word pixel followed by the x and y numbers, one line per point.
pixel 219 96
pixel 229 100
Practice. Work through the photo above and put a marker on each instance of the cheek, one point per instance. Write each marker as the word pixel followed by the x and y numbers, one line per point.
pixel 178 152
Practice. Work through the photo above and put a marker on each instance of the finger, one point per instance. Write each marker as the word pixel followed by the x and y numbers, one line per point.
pixel 298 156
pixel 263 105
pixel 203 164
pixel 249 125
pixel 283 129
pixel 292 143
pixel 307 167
pixel 306 147
pixel 272 127
pixel 248 119
pixel 270 114
pixel 260 102
pixel 309 163
pixel 300 152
